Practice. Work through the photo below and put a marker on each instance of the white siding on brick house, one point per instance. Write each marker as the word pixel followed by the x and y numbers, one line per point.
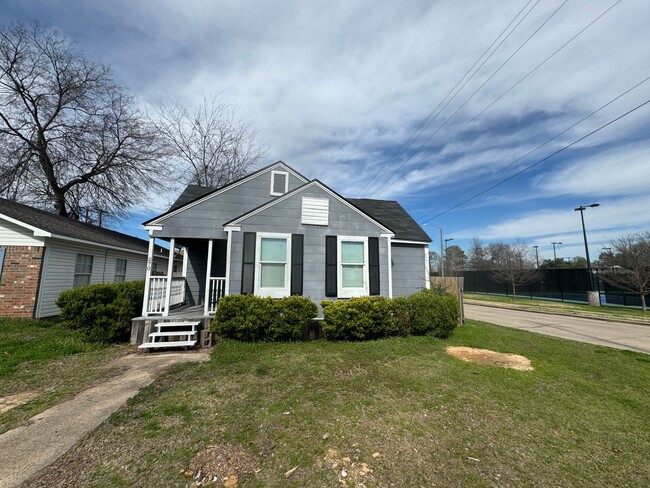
pixel 14 235
pixel 59 267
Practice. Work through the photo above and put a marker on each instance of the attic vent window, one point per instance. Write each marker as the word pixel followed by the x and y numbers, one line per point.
pixel 315 211
pixel 279 183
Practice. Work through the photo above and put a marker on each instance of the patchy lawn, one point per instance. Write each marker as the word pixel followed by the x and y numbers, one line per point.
pixel 550 306
pixel 396 412
pixel 43 363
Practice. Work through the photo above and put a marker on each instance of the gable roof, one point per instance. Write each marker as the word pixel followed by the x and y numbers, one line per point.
pixel 46 224
pixel 392 215
pixel 192 196
pixel 295 191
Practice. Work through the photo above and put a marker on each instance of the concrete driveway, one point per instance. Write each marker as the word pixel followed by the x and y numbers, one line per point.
pixel 619 335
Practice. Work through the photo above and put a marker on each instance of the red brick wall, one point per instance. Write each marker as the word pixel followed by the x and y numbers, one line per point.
pixel 21 275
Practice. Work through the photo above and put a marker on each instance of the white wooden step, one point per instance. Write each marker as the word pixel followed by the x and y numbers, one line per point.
pixel 153 345
pixel 173 333
pixel 186 325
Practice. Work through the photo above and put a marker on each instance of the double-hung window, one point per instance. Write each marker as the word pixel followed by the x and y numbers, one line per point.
pixel 120 270
pixel 273 253
pixel 83 270
pixel 353 266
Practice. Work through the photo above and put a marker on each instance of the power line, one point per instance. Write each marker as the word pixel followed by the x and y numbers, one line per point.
pixel 427 122
pixel 539 161
pixel 395 172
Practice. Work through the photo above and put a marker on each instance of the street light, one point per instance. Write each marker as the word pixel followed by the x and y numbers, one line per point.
pixel 581 209
pixel 536 256
pixel 555 255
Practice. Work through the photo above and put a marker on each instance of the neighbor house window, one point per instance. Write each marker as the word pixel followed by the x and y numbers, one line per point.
pixel 272 257
pixel 2 260
pixel 279 183
pixel 83 270
pixel 353 266
pixel 120 270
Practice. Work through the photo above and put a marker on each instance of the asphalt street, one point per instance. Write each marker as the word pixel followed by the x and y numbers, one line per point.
pixel 604 333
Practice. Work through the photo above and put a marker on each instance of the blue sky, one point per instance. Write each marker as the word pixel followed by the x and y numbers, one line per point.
pixel 336 89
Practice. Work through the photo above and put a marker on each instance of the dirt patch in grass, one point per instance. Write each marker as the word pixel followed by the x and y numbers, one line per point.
pixel 493 358
pixel 349 472
pixel 222 463
pixel 11 401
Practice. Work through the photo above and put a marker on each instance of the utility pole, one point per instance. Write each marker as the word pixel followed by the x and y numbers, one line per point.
pixel 555 255
pixel 581 209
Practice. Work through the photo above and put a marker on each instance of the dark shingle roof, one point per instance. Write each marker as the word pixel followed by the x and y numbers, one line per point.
pixel 191 193
pixel 63 226
pixel 392 215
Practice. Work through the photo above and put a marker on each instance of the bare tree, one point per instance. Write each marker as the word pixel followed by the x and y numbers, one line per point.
pixel 455 260
pixel 478 256
pixel 70 137
pixel 630 258
pixel 210 146
pixel 513 264
pixel 434 261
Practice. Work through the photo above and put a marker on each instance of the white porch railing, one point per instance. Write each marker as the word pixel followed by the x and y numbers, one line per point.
pixel 216 291
pixel 158 293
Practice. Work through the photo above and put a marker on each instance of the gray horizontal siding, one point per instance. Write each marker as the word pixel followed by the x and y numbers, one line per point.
pixel 205 220
pixel 15 235
pixel 59 267
pixel 285 217
pixel 408 269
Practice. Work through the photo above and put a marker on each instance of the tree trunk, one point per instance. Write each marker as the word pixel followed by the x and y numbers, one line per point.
pixel 643 307
pixel 59 203
pixel 514 291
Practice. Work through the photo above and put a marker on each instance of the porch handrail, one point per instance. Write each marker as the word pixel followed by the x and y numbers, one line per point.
pixel 216 291
pixel 158 293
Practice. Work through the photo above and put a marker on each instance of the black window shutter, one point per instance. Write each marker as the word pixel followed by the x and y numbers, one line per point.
pixel 373 265
pixel 330 266
pixel 248 264
pixel 297 244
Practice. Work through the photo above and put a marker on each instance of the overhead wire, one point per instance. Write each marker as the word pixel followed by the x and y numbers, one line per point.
pixel 552 138
pixel 396 171
pixel 546 158
pixel 428 121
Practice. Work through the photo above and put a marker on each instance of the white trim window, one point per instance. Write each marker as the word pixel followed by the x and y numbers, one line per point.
pixel 352 258
pixel 83 270
pixel 120 270
pixel 279 183
pixel 273 264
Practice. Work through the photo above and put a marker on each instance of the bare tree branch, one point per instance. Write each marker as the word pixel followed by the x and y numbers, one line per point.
pixel 70 137
pixel 512 264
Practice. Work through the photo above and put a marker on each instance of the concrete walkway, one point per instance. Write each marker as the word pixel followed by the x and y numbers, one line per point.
pixel 47 436
pixel 620 335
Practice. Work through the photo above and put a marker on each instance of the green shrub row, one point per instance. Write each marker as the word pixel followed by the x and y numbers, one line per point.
pixel 102 312
pixel 428 312
pixel 251 318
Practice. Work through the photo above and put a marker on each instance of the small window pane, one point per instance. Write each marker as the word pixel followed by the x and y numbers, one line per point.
pixel 272 275
pixel 274 250
pixel 120 270
pixel 352 252
pixel 83 270
pixel 352 276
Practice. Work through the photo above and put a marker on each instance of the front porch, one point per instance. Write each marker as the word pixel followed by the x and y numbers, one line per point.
pixel 192 289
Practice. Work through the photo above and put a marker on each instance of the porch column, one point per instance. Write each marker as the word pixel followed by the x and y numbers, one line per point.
pixel 208 272
pixel 170 270
pixel 427 271
pixel 228 253
pixel 147 279
pixel 389 265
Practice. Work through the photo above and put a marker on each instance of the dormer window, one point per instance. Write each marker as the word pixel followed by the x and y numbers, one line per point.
pixel 279 183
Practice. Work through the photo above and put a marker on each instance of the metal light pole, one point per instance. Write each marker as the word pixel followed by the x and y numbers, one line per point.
pixel 536 256
pixel 555 255
pixel 581 209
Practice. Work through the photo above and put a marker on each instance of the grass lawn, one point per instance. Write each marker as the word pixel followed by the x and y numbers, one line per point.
pixel 44 363
pixel 415 415
pixel 614 313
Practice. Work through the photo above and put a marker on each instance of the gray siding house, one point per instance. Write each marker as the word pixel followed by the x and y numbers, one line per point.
pixel 42 254
pixel 275 233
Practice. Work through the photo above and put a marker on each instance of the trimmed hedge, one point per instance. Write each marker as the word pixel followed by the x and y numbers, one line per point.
pixel 102 312
pixel 428 312
pixel 251 318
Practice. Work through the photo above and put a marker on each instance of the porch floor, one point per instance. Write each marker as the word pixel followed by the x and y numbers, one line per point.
pixel 185 312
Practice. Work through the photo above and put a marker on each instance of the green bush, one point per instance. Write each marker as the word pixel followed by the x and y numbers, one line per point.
pixel 361 319
pixel 251 318
pixel 430 312
pixel 102 312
